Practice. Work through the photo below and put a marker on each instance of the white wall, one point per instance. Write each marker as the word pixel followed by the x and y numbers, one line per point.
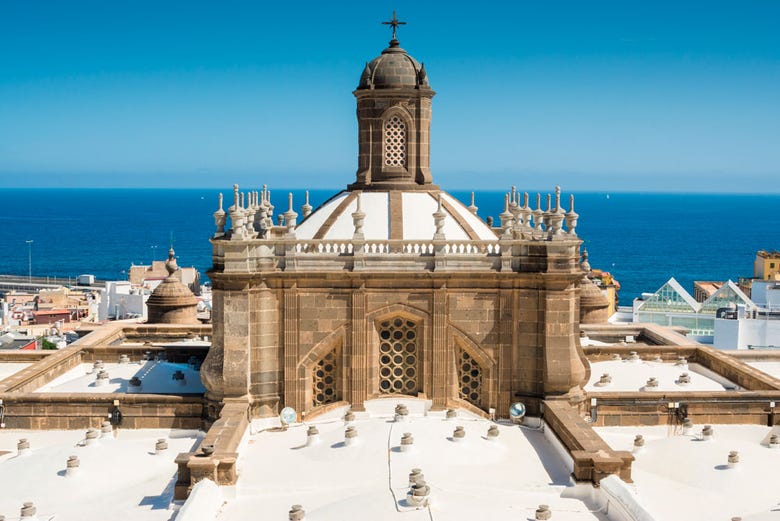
pixel 743 332
pixel 118 298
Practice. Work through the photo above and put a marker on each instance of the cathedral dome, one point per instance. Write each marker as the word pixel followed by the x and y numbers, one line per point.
pixel 393 69
pixel 172 302
pixel 394 214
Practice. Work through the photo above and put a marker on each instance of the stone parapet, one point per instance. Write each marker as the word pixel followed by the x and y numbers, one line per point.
pixel 593 459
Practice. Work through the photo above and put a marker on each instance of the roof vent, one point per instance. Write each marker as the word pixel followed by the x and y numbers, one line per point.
pixel 106 430
pixel 91 437
pixel 687 426
pixel 349 417
pixel 684 379
pixel 296 513
pixel 23 446
pixel 639 444
pixel 401 412
pixel 452 414
pixel 707 432
pixel 312 435
pixel 124 359
pixel 28 510
pixel 418 494
pixel 98 365
pixel 407 441
pixel 350 436
pixel 733 459
pixel 415 476
pixel 605 380
pixel 616 357
pixel 543 513
pixel 681 361
pixel 101 378
pixel 161 446
pixel 178 377
pixel 459 434
pixel 774 441
pixel 492 433
pixel 651 384
pixel 72 466
pixel 633 356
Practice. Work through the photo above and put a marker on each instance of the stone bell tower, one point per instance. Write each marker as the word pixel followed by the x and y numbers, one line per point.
pixel 394 122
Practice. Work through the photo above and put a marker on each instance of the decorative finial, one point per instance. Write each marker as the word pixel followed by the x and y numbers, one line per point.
pixel 306 208
pixel 472 207
pixel 170 264
pixel 584 263
pixel 394 23
pixel 235 196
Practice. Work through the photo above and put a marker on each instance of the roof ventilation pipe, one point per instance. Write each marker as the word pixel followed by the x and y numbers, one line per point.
pixel 543 513
pixel 161 446
pixel 774 441
pixel 733 459
pixel 707 432
pixel 633 356
pixel 312 436
pixel 350 436
pixel 492 433
pixel 651 384
pixel 23 447
pixel 604 381
pixel 451 414
pixel 297 513
pixel 91 437
pixel 106 430
pixel 101 378
pixel 639 444
pixel 349 418
pixel 401 412
pixel 72 466
pixel 28 512
pixel 415 476
pixel 459 434
pixel 419 494
pixel 407 442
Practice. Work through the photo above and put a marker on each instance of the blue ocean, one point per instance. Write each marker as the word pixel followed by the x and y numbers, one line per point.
pixel 642 239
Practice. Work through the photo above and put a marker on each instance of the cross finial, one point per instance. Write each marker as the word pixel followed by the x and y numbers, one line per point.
pixel 394 23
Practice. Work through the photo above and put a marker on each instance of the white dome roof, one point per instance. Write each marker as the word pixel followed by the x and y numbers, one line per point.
pixel 392 215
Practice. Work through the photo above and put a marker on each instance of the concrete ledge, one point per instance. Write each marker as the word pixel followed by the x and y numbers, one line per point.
pixel 593 459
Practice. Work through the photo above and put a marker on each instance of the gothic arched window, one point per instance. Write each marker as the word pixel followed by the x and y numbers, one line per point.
pixel 395 141
pixel 469 378
pixel 398 355
pixel 325 380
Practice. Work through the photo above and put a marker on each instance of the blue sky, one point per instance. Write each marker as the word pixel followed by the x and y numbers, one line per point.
pixel 651 96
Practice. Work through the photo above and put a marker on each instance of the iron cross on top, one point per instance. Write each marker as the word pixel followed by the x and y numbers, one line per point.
pixel 394 23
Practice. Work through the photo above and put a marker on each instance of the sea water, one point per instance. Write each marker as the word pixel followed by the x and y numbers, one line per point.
pixel 642 239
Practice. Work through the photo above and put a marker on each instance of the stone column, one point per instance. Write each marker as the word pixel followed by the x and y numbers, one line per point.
pixel 294 394
pixel 440 349
pixel 357 358
pixel 562 368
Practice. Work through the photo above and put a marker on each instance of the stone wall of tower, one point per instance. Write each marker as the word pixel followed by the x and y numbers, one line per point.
pixel 373 109
pixel 523 333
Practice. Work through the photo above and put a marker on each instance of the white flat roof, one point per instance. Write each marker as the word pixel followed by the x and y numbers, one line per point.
pixel 156 378
pixel 11 368
pixel 682 478
pixel 770 368
pixel 119 478
pixel 474 479
pixel 632 375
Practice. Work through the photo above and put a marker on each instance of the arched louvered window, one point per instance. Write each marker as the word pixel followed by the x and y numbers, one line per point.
pixel 395 141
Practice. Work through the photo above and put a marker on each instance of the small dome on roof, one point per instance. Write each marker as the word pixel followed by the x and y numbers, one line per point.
pixel 393 69
pixel 172 302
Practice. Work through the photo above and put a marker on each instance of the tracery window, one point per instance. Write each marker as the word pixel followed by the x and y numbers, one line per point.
pixel 324 377
pixel 395 142
pixel 469 378
pixel 398 357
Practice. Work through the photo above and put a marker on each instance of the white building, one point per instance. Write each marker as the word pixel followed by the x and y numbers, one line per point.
pixel 122 300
